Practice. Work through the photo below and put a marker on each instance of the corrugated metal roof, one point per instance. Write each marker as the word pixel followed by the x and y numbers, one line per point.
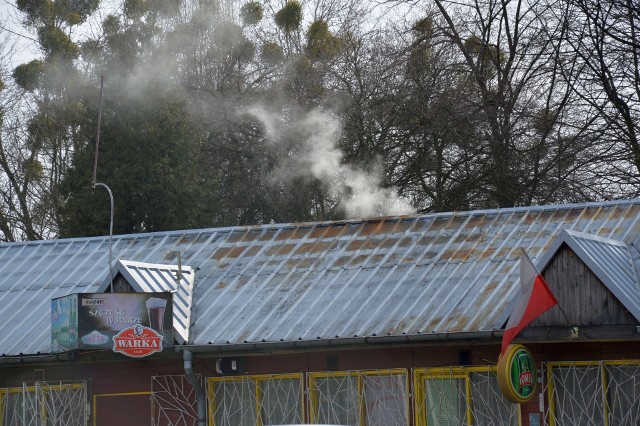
pixel 151 277
pixel 436 273
pixel 610 260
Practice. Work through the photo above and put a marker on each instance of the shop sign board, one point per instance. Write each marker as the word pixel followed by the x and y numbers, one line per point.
pixel 137 341
pixel 135 324
pixel 517 375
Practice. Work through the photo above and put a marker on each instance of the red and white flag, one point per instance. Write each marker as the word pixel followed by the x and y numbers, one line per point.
pixel 533 300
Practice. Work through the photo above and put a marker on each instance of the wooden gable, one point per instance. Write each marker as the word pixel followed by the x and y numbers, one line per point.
pixel 121 285
pixel 582 296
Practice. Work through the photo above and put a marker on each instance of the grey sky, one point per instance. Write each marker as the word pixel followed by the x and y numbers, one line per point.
pixel 14 35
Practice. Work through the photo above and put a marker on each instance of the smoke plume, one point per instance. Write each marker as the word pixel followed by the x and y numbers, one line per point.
pixel 360 192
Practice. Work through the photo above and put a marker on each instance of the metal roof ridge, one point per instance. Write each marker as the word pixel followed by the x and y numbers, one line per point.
pixel 568 236
pixel 268 226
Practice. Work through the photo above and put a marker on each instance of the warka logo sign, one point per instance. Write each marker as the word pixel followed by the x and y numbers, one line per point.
pixel 137 341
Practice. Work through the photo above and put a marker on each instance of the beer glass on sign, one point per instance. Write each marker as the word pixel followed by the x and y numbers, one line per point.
pixel 155 310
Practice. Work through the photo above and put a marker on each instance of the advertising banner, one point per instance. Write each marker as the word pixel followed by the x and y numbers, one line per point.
pixel 135 324
pixel 517 374
pixel 64 323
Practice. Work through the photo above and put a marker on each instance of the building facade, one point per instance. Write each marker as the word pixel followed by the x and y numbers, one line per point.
pixel 387 321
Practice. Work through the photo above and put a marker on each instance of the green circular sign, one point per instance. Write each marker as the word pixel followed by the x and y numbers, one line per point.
pixel 517 374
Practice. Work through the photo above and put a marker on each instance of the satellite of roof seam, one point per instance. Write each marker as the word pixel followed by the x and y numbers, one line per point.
pixel 422 316
pixel 414 265
pixel 19 287
pixel 263 328
pixel 343 237
pixel 374 271
pixel 299 282
pixel 312 285
pixel 383 305
pixel 337 318
pixel 460 296
pixel 227 318
pixel 478 275
pixel 202 291
pixel 513 275
pixel 259 328
pixel 625 237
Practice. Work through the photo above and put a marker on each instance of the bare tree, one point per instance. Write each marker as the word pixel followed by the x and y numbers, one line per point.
pixel 604 39
pixel 532 151
pixel 24 187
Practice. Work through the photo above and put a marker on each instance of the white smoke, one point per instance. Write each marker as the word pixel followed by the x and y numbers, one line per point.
pixel 359 191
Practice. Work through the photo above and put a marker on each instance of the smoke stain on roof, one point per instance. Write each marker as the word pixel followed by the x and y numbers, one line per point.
pixel 315 247
pixel 297 233
pixel 456 255
pixel 371 228
pixel 333 230
pixel 228 252
pixel 342 261
pixel 300 263
pixel 267 234
pixel 252 251
pixel 406 242
pixel 280 249
pixel 389 242
pixel 487 253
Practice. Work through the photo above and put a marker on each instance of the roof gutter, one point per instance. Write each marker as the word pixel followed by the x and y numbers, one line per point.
pixel 31 359
pixel 320 344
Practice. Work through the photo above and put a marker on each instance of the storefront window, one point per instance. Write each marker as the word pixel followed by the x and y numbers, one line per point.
pixel 371 398
pixel 623 394
pixel 255 400
pixel 461 396
pixel 593 393
pixel 445 406
pixel 44 404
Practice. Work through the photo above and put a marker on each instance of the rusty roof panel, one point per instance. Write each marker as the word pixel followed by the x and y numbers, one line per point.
pixel 434 273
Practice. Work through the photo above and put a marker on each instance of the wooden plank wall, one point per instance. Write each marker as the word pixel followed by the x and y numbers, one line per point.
pixel 585 300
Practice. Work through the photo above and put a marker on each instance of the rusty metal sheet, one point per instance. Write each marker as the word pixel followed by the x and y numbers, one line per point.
pixel 433 273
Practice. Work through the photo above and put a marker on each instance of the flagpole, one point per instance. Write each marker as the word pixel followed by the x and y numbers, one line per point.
pixel 533 299
pixel 566 318
pixel 564 314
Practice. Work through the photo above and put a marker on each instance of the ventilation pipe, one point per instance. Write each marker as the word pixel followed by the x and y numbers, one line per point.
pixel 201 401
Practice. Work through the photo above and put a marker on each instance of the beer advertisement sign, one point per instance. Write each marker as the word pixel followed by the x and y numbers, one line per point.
pixel 137 341
pixel 134 324
pixel 517 375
